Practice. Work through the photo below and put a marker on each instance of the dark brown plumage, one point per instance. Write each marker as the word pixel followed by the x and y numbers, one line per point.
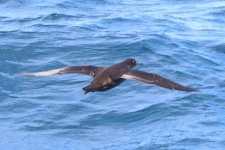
pixel 106 78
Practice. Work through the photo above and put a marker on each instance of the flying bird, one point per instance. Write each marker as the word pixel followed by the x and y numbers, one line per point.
pixel 105 78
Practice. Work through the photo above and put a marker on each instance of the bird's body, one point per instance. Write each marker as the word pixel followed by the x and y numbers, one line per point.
pixel 106 78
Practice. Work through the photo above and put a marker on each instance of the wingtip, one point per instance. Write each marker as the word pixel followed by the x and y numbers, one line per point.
pixel 194 90
pixel 188 89
pixel 27 75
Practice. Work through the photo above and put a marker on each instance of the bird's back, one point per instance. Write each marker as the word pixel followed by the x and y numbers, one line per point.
pixel 107 77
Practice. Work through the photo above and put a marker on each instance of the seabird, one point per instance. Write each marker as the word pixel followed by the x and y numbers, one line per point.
pixel 105 78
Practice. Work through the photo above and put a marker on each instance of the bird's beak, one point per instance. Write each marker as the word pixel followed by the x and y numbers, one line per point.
pixel 139 64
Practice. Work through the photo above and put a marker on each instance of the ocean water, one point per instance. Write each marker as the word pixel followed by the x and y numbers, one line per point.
pixel 182 40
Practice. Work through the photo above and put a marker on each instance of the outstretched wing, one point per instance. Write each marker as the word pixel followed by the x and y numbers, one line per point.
pixel 156 80
pixel 87 70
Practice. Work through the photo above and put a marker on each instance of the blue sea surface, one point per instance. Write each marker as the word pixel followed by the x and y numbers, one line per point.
pixel 183 40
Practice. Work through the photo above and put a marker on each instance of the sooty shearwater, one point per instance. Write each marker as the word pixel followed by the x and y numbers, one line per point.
pixel 106 78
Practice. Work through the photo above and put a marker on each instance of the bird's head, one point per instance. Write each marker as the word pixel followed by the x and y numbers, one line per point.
pixel 130 62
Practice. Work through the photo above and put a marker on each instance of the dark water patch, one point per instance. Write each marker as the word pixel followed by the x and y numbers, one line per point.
pixel 217 21
pixel 86 28
pixel 186 1
pixel 58 17
pixel 4 1
pixel 67 4
pixel 21 20
pixel 197 141
pixel 220 48
pixel 12 3
pixel 218 11
pixel 212 123
pixel 99 2
pixel 49 26
pixel 124 23
pixel 118 19
pixel 222 83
